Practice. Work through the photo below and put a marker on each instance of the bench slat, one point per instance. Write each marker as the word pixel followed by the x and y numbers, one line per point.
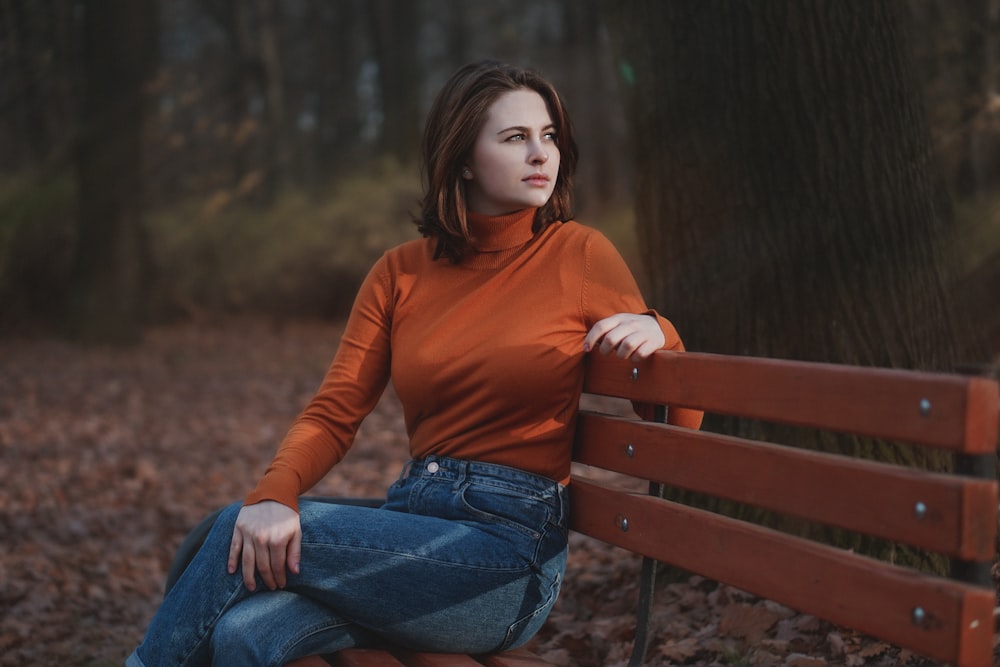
pixel 436 660
pixel 864 496
pixel 515 658
pixel 383 658
pixel 365 657
pixel 875 402
pixel 842 587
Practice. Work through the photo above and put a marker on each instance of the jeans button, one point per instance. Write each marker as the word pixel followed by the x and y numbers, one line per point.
pixel 433 467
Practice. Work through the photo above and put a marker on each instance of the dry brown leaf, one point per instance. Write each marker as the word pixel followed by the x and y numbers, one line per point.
pixel 679 650
pixel 748 622
pixel 873 650
pixel 836 643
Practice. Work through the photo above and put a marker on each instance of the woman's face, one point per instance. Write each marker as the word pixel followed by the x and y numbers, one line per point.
pixel 515 160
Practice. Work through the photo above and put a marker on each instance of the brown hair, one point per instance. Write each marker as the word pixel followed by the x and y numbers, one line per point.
pixel 453 124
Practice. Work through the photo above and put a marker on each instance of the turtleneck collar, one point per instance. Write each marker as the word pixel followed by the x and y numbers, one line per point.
pixel 495 233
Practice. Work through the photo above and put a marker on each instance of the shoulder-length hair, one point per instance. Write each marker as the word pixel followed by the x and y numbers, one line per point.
pixel 453 124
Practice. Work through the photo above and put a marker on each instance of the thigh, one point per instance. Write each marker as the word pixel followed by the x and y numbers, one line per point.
pixel 428 582
pixel 276 627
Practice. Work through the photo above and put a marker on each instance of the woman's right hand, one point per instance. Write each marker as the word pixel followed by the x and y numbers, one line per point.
pixel 269 537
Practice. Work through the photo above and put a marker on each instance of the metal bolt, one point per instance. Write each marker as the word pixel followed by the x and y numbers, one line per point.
pixel 925 407
pixel 920 510
pixel 635 374
pixel 919 616
pixel 623 524
pixel 630 450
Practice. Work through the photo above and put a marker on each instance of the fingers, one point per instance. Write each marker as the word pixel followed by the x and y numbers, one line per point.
pixel 241 550
pixel 598 331
pixel 249 565
pixel 295 552
pixel 235 549
pixel 630 336
pixel 267 538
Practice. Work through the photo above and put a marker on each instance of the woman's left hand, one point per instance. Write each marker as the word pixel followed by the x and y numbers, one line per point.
pixel 631 336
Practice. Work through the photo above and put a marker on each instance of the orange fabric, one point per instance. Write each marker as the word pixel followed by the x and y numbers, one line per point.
pixel 485 355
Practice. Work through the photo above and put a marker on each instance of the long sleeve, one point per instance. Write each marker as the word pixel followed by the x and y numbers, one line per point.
pixel 325 429
pixel 610 288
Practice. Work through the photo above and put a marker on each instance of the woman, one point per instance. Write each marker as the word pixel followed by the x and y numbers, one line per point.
pixel 482 326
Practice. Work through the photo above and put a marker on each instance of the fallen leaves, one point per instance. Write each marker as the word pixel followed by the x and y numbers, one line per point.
pixel 110 457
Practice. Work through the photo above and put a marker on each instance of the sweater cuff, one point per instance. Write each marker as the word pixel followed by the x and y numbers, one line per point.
pixel 278 485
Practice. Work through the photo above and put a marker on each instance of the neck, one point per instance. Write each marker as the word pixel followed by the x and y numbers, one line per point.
pixel 494 233
pixel 497 238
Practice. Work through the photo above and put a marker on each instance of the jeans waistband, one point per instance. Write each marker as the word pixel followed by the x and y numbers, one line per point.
pixel 443 467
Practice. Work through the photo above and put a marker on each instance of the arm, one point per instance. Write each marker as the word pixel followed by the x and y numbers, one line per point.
pixel 620 322
pixel 267 536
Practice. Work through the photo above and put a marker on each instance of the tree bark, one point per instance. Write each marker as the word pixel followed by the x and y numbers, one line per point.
pixel 394 31
pixel 110 265
pixel 787 203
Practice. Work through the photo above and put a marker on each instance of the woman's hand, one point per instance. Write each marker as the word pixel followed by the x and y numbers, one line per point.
pixel 631 336
pixel 269 536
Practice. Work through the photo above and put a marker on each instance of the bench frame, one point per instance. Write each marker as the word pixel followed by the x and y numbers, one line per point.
pixel 950 619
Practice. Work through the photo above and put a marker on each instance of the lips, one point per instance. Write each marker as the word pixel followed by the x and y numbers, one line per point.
pixel 539 180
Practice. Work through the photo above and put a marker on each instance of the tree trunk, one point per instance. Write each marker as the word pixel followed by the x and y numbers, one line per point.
pixel 394 29
pixel 787 204
pixel 338 145
pixel 110 266
pixel 30 144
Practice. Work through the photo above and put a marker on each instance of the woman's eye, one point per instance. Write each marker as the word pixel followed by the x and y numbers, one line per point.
pixel 515 137
pixel 551 136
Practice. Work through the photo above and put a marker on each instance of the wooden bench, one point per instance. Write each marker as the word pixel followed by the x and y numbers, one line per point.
pixel 950 619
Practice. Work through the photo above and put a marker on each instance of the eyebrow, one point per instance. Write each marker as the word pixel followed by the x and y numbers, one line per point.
pixel 522 128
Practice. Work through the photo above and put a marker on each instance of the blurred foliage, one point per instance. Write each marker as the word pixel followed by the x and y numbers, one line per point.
pixel 37 209
pixel 978 221
pixel 304 255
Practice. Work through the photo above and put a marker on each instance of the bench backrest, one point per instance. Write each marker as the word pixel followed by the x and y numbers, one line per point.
pixel 947 619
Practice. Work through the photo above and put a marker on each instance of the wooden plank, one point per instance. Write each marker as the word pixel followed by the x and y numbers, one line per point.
pixel 421 659
pixel 864 496
pixel 982 415
pixel 515 658
pixel 365 657
pixel 310 661
pixel 935 409
pixel 842 587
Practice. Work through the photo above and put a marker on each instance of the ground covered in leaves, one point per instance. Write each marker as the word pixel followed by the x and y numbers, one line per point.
pixel 110 456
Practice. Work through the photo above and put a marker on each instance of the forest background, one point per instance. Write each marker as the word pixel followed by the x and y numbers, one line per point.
pixel 202 185
pixel 260 154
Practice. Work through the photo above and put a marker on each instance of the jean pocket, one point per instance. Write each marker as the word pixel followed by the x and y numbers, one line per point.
pixel 507 507
pixel 522 630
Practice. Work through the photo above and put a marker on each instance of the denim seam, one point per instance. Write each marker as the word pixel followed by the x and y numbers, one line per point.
pixel 206 631
pixel 306 634
pixel 544 607
pixel 526 567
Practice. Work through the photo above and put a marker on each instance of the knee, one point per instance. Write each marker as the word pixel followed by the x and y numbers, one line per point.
pixel 234 642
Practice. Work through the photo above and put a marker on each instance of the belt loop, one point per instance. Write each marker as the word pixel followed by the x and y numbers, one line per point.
pixel 461 472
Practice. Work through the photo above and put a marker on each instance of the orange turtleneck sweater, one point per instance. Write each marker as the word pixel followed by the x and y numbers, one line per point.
pixel 485 355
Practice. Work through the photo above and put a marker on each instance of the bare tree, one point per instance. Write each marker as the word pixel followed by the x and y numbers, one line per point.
pixel 394 32
pixel 119 38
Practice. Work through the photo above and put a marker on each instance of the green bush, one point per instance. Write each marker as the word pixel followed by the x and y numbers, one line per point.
pixel 37 212
pixel 304 255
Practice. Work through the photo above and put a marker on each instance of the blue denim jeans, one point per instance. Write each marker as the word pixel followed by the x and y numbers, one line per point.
pixel 463 557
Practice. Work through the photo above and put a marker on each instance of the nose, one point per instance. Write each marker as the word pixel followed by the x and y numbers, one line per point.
pixel 538 154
